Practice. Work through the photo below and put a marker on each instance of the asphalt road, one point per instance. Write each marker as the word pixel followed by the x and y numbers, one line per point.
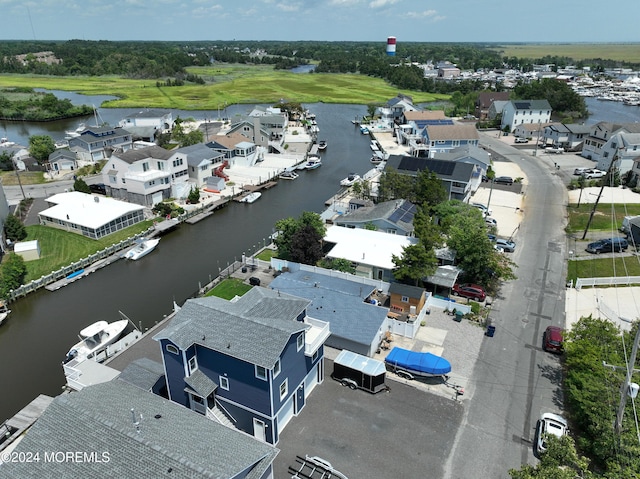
pixel 515 381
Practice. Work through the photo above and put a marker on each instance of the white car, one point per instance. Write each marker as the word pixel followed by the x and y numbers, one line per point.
pixel 580 171
pixel 485 211
pixel 490 221
pixel 549 424
pixel 593 173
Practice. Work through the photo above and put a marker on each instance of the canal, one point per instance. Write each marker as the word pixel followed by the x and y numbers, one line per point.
pixel 44 325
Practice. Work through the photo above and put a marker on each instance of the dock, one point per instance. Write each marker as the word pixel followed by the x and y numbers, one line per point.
pixel 84 272
pixel 14 427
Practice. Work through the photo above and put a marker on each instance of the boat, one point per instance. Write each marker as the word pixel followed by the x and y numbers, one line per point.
pixel 288 175
pixel 5 142
pixel 350 180
pixel 322 145
pixel 95 338
pixel 143 248
pixel 69 134
pixel 406 363
pixel 364 130
pixel 376 160
pixel 4 311
pixel 313 163
pixel 251 197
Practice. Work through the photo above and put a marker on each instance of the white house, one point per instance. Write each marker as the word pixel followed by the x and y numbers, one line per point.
pixel 201 161
pixel 157 119
pixel 517 112
pixel 622 149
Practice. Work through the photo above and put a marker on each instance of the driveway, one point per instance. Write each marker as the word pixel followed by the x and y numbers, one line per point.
pixel 404 433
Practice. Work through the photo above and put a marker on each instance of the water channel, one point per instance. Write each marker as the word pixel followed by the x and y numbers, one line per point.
pixel 44 325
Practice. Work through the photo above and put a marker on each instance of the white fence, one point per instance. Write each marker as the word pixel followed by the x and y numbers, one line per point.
pixel 447 305
pixel 611 281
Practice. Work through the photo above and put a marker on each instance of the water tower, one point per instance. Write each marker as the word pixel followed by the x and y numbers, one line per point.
pixel 391 46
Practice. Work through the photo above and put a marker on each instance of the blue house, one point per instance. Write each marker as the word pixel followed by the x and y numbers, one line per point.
pixel 442 138
pixel 251 361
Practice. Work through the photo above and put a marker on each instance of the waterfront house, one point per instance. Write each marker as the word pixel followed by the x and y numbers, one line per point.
pixel 570 137
pixel 146 176
pixel 155 119
pixel 516 112
pixel 116 429
pixel 93 216
pixel 470 154
pixel 442 138
pixel 410 132
pixel 458 177
pixel 485 100
pixel 395 108
pixel 60 160
pixel 235 148
pixel 201 162
pixel 262 126
pixel 370 251
pixel 599 147
pixel 393 217
pixel 344 301
pixel 252 361
pixel 97 143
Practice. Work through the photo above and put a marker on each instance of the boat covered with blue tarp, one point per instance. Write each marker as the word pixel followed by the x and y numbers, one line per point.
pixel 420 364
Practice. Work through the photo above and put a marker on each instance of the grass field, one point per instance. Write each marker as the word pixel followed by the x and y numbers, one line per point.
pixel 229 289
pixel 228 84
pixel 603 268
pixel 628 52
pixel 607 216
pixel 60 248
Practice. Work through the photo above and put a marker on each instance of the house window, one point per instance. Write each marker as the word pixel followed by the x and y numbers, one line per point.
pixel 391 231
pixel 224 383
pixel 300 341
pixel 614 145
pixel 145 166
pixel 197 399
pixel 261 373
pixel 193 364
pixel 284 389
pixel 276 369
pixel 171 349
pixel 405 299
pixel 314 358
pixel 606 154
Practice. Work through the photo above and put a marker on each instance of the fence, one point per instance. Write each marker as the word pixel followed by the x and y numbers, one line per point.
pixel 611 281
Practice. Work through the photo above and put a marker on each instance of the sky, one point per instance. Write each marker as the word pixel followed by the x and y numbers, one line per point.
pixel 588 21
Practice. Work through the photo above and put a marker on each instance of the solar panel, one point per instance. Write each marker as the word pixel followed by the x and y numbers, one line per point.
pixel 522 105
pixel 441 167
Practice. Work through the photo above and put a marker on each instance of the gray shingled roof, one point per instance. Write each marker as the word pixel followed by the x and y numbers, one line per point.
pixel 143 373
pixel 406 290
pixel 378 211
pixel 131 156
pixel 338 301
pixel 170 440
pixel 200 383
pixel 198 153
pixel 255 328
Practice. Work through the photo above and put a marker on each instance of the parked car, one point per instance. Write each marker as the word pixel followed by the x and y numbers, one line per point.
pixel 468 290
pixel 579 171
pixel 485 211
pixel 521 140
pixel 504 180
pixel 552 339
pixel 608 245
pixel 593 173
pixel 490 221
pixel 549 424
pixel 98 188
pixel 507 245
pixel 554 149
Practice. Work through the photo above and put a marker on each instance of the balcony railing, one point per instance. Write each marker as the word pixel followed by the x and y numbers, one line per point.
pixel 316 335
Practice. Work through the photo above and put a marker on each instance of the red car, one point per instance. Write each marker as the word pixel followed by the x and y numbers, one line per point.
pixel 552 339
pixel 468 290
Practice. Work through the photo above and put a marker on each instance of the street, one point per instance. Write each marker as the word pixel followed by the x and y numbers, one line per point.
pixel 515 381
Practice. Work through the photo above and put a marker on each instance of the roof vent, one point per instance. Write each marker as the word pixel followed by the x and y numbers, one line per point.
pixel 96 199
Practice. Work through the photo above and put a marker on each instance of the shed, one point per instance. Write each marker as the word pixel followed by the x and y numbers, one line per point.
pixel 357 371
pixel 29 250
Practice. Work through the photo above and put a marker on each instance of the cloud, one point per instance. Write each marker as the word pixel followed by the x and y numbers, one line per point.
pixel 431 14
pixel 382 3
pixel 345 3
pixel 288 6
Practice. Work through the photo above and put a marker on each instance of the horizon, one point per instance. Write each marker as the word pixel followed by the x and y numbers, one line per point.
pixel 411 21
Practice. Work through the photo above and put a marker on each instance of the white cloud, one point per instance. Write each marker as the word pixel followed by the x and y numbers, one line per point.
pixel 288 6
pixel 382 3
pixel 432 14
pixel 345 3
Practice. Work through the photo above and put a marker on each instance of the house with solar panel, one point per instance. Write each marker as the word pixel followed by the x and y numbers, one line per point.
pixel 457 177
pixel 473 155
pixel 250 363
pixel 517 112
pixel 97 143
pixel 442 138
pixel 116 429
pixel 393 217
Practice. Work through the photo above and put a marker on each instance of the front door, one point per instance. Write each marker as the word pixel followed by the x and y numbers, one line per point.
pixel 299 402
pixel 259 430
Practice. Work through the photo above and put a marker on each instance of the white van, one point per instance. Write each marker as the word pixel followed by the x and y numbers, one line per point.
pixel 625 224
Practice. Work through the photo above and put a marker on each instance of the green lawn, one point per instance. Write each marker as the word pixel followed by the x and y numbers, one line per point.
pixel 60 248
pixel 603 268
pixel 602 219
pixel 266 254
pixel 229 289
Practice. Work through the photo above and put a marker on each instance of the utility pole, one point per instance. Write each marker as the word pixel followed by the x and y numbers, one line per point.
pixel 15 167
pixel 626 388
pixel 595 205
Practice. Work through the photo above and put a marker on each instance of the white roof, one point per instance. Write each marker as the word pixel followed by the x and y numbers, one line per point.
pixel 84 210
pixel 25 246
pixel 363 246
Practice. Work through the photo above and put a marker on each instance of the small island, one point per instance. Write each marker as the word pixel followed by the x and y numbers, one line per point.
pixel 25 104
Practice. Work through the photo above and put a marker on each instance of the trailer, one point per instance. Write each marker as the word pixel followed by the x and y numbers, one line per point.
pixel 359 372
pixel 408 364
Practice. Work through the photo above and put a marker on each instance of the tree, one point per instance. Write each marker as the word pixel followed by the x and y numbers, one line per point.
pixel 14 229
pixel 429 190
pixel 415 263
pixel 6 161
pixel 339 264
pixel 40 147
pixel 559 461
pixel 12 273
pixel 194 196
pixel 81 186
pixel 306 245
pixel 287 228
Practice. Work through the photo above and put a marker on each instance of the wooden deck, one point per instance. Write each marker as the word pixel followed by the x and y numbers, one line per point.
pixel 23 420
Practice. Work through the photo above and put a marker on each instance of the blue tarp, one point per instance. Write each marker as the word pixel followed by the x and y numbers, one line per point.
pixel 421 363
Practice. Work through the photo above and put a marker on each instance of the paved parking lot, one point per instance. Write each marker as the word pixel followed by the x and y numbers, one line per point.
pixel 403 433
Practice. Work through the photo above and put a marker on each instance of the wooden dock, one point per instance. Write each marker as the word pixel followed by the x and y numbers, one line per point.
pixel 88 270
pixel 13 428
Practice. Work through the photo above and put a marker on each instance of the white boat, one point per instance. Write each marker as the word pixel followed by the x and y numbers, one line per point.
pixel 322 145
pixel 143 248
pixel 313 163
pixel 75 133
pixel 95 338
pixel 4 312
pixel 251 197
pixel 350 180
pixel 5 142
pixel 364 130
pixel 288 175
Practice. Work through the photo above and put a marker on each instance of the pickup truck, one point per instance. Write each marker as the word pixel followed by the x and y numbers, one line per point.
pixel 593 173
